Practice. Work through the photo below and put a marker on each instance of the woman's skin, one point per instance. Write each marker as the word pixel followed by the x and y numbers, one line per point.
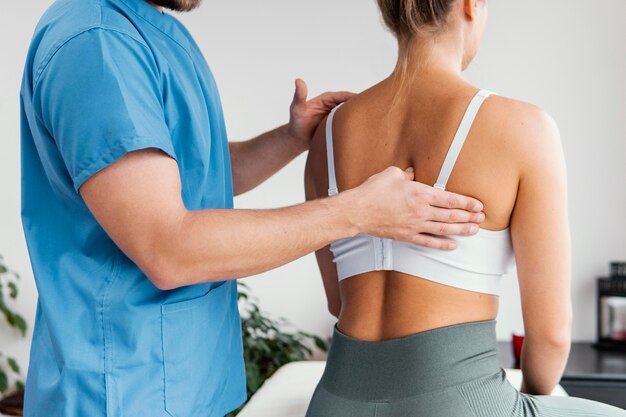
pixel 512 161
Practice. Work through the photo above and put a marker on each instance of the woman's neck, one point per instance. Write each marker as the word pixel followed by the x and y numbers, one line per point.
pixel 427 54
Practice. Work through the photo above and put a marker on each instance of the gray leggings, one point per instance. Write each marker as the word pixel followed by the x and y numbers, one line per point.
pixel 448 372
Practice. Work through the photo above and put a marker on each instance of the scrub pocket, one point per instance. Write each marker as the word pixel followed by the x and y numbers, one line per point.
pixel 199 337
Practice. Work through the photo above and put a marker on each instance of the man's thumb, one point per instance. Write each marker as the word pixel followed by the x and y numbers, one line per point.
pixel 301 91
pixel 410 173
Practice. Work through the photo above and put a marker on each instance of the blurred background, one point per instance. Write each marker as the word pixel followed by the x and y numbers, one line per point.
pixel 567 56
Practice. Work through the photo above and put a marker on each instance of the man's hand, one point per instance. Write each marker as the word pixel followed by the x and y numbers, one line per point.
pixel 390 204
pixel 257 159
pixel 304 116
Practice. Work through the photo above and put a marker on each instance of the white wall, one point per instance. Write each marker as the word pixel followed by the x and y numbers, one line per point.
pixel 567 56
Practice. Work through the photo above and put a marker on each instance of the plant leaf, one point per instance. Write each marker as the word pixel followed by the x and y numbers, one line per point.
pixel 8 314
pixel 20 323
pixel 320 343
pixel 4 381
pixel 13 365
pixel 12 290
pixel 19 385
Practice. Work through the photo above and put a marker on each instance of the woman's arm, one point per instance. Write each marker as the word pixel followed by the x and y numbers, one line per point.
pixel 324 256
pixel 541 239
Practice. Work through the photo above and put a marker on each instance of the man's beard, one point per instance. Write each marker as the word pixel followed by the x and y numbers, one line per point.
pixel 178 5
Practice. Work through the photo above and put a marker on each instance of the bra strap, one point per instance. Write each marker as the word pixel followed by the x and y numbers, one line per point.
pixel 459 138
pixel 330 156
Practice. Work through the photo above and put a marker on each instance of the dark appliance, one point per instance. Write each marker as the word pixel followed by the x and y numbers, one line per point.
pixel 612 309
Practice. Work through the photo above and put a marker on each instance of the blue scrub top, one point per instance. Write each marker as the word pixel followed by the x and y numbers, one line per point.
pixel 102 78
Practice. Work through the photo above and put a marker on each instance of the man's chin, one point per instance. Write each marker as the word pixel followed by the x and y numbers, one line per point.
pixel 178 5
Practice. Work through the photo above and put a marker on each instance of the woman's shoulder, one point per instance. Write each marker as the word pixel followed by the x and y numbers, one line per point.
pixel 372 102
pixel 519 117
pixel 348 116
pixel 526 127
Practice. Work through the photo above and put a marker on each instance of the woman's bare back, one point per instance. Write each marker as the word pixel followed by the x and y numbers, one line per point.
pixel 379 128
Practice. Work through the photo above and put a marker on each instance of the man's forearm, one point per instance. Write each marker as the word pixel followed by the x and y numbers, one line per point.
pixel 137 201
pixel 255 160
pixel 215 245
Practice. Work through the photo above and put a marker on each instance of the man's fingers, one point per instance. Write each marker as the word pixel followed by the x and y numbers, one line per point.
pixel 445 199
pixel 409 173
pixel 456 216
pixel 301 91
pixel 435 242
pixel 446 229
pixel 332 99
pixel 340 96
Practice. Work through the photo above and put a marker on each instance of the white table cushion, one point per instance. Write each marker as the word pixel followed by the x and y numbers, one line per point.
pixel 288 392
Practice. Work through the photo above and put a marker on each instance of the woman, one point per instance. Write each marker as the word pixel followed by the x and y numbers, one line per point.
pixel 416 328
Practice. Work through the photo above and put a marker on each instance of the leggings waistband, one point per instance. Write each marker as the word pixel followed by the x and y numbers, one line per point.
pixel 422 362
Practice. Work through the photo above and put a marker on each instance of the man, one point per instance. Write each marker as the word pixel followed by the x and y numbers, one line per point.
pixel 127 211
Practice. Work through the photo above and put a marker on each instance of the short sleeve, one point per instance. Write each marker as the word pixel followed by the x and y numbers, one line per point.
pixel 100 97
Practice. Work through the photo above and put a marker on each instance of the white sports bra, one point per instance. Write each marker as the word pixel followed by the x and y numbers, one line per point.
pixel 477 264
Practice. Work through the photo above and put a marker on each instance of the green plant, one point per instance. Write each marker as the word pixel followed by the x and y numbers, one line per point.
pixel 9 369
pixel 267 345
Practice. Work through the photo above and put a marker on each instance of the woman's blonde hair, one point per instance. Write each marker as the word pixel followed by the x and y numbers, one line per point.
pixel 406 18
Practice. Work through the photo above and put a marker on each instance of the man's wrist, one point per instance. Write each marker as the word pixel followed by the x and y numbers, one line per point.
pixel 345 209
pixel 292 140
